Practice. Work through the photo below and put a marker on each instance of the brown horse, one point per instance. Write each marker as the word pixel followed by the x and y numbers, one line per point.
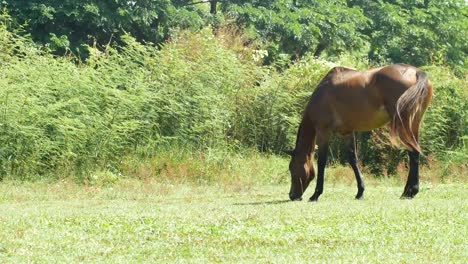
pixel 346 101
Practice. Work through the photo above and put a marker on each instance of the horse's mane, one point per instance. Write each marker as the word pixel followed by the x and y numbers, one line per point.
pixel 297 137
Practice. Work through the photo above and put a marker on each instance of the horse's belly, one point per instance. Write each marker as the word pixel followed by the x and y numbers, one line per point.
pixel 361 120
pixel 373 120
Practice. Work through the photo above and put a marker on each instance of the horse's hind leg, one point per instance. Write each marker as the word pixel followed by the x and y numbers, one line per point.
pixel 352 159
pixel 412 183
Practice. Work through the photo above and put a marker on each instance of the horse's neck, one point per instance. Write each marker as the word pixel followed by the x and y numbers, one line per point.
pixel 305 144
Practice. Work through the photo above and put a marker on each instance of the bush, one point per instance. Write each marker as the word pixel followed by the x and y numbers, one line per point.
pixel 446 122
pixel 59 118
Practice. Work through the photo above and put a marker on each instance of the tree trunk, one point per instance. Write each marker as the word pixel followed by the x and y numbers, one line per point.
pixel 320 48
pixel 213 4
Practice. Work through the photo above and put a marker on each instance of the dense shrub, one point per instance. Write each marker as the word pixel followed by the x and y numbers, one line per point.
pixel 59 118
pixel 269 113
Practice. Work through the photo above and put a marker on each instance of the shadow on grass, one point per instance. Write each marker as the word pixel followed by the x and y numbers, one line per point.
pixel 265 202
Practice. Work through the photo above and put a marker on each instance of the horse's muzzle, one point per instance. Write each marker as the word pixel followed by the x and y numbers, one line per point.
pixel 295 198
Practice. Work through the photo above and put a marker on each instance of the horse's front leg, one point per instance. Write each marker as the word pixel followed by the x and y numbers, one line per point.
pixel 412 184
pixel 321 163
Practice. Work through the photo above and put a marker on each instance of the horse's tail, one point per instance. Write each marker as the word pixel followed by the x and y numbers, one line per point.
pixel 409 111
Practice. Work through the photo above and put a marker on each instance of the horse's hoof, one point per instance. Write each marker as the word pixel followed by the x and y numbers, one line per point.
pixel 407 196
pixel 359 195
pixel 313 199
pixel 410 192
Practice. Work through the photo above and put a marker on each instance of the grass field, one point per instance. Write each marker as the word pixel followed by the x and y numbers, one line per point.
pixel 137 221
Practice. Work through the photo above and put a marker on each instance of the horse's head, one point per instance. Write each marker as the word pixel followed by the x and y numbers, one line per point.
pixel 302 173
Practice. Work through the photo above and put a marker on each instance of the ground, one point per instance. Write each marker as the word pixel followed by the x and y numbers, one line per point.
pixel 137 221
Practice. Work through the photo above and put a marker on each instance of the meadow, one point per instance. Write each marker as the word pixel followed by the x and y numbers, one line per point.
pixel 124 149
pixel 163 222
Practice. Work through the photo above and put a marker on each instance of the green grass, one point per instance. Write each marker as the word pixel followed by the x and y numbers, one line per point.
pixel 145 221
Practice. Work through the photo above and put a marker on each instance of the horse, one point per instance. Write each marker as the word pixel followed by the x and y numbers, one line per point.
pixel 348 101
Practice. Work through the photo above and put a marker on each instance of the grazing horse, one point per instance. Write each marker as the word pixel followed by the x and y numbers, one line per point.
pixel 347 100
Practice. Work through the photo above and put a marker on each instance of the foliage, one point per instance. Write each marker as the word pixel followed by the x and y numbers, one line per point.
pixel 415 32
pixel 69 25
pixel 298 27
pixel 418 32
pixel 446 124
pixel 58 116
pixel 199 90
pixel 269 113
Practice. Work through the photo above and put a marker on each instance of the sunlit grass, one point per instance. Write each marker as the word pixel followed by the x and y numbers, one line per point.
pixel 146 221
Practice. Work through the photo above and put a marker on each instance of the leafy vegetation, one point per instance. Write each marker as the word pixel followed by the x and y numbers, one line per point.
pixel 418 32
pixel 64 26
pixel 298 27
pixel 60 118
pixel 85 90
pixel 415 32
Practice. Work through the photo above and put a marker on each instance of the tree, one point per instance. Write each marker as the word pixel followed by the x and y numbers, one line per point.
pixel 298 27
pixel 417 32
pixel 68 24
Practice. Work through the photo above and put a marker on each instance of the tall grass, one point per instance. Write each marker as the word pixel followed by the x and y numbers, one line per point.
pixel 65 119
pixel 136 104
